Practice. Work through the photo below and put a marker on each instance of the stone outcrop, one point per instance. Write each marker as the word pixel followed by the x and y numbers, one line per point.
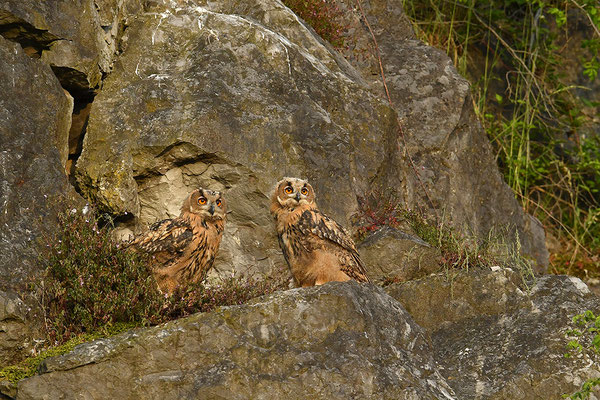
pixel 436 167
pixel 476 335
pixel 338 341
pixel 15 329
pixel 35 116
pixel 79 39
pixel 494 338
pixel 395 255
pixel 235 95
pixel 203 96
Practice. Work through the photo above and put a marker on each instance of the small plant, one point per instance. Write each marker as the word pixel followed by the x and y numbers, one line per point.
pixel 325 17
pixel 381 208
pixel 584 338
pixel 91 282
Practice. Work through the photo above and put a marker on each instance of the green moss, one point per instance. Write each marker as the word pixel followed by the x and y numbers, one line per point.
pixel 31 365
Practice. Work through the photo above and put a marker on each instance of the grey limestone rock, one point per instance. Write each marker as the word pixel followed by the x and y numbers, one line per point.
pixel 337 341
pixel 494 338
pixel 444 162
pixel 393 254
pixel 35 116
pixel 207 96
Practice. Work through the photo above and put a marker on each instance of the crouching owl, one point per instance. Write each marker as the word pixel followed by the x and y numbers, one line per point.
pixel 183 249
pixel 316 248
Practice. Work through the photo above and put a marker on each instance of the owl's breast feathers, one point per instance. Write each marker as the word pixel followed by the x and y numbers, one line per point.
pixel 303 231
pixel 185 246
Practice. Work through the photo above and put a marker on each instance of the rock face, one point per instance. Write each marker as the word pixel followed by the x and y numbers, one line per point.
pixel 338 341
pixel 35 115
pixel 493 339
pixel 15 332
pixel 490 339
pixel 77 38
pixel 204 96
pixel 234 95
pixel 442 141
pixel 399 256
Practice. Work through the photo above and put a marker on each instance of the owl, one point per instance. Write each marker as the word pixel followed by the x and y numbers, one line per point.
pixel 316 248
pixel 183 249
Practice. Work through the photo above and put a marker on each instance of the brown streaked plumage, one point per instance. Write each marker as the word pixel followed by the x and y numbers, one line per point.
pixel 316 248
pixel 183 249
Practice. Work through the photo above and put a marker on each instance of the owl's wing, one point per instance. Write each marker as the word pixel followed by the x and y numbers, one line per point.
pixel 313 222
pixel 165 239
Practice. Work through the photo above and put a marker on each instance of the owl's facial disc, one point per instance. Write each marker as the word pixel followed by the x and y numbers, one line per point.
pixel 210 205
pixel 294 192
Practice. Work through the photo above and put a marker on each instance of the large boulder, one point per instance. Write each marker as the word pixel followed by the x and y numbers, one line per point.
pixel 207 96
pixel 337 341
pixel 234 95
pixel 35 116
pixel 495 338
pixel 444 164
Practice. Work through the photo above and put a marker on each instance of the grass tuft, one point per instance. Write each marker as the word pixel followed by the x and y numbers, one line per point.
pixel 510 50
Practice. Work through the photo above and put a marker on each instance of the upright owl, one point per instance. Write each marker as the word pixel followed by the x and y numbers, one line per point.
pixel 183 249
pixel 316 248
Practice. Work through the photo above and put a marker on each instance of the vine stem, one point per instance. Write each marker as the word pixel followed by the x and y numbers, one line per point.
pixel 391 103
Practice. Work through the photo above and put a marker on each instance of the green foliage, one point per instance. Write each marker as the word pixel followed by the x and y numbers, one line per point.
pixel 508 49
pixel 92 283
pixel 324 16
pixel 584 338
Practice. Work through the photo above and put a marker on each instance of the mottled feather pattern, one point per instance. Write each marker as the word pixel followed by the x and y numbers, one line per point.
pixel 169 235
pixel 313 222
pixel 316 248
pixel 183 249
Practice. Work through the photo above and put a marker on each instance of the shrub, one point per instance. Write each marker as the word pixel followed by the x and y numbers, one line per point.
pixel 92 283
pixel 325 17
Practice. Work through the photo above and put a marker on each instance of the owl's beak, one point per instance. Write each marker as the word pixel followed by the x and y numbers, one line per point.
pixel 211 209
pixel 298 197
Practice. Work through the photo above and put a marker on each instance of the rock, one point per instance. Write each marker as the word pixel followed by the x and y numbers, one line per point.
pixel 206 96
pixel 35 114
pixel 250 94
pixel 458 178
pixel 340 340
pixel 392 254
pixel 71 36
pixel 15 331
pixel 495 339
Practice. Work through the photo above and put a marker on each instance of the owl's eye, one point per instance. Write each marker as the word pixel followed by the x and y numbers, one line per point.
pixel 304 191
pixel 218 203
pixel 202 200
pixel 288 190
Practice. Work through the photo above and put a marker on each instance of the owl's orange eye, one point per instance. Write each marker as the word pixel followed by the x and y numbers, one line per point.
pixel 288 190
pixel 304 191
pixel 202 200
pixel 218 203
